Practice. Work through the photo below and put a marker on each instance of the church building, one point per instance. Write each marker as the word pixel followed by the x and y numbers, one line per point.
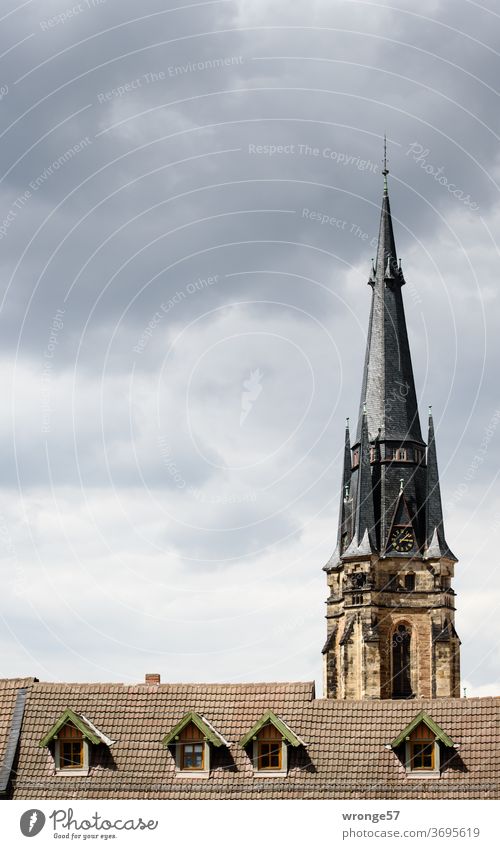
pixel 391 723
pixel 391 608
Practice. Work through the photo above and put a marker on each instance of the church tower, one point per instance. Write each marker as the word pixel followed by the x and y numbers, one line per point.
pixel 391 608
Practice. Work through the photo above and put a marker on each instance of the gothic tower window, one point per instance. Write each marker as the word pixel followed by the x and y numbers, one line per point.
pixel 391 584
pixel 401 676
pixel 410 582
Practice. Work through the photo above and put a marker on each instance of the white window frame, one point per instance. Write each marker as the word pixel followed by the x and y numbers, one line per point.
pixel 67 772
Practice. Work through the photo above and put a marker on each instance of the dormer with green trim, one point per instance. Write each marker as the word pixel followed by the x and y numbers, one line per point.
pixel 190 741
pixel 268 741
pixel 420 747
pixel 70 740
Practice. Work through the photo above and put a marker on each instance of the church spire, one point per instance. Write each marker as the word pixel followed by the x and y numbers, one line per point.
pixel 388 387
pixel 391 608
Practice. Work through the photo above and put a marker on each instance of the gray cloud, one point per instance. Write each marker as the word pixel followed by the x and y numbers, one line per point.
pixel 137 166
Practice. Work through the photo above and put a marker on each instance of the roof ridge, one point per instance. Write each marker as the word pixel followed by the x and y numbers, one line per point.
pixel 171 684
pixel 20 682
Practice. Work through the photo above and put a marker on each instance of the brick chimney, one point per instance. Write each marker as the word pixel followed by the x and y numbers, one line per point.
pixel 152 678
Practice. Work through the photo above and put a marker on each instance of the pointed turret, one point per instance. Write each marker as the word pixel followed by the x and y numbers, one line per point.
pixel 364 536
pixel 343 536
pixel 436 545
pixel 388 389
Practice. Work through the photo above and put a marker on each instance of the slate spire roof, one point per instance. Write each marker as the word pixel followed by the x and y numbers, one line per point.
pixel 388 456
pixel 388 387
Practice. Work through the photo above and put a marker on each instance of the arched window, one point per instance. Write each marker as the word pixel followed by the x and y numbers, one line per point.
pixel 401 678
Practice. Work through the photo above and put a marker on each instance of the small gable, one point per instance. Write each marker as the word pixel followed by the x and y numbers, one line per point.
pixel 191 733
pixel 74 724
pixel 272 725
pixel 193 727
pixel 401 538
pixel 422 732
pixel 402 512
pixel 425 726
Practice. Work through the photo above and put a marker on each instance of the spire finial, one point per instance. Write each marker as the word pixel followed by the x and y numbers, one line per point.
pixel 385 169
pixel 430 411
pixel 401 484
pixel 347 422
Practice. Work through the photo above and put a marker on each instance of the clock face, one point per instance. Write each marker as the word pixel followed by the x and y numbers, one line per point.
pixel 402 540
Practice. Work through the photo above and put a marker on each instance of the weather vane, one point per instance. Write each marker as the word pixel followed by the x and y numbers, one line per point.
pixel 385 169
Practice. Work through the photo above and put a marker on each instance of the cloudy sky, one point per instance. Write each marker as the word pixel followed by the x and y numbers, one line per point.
pixel 190 197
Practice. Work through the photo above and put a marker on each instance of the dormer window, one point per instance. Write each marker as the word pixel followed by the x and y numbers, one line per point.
pixel 267 744
pixel 355 457
pixel 71 740
pixel 421 749
pixel 269 749
pixel 190 742
pixel 71 748
pixel 191 749
pixel 418 746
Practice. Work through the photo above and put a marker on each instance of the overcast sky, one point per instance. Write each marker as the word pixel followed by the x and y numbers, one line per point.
pixel 190 198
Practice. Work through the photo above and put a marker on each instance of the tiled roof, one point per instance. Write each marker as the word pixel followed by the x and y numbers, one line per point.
pixel 345 753
pixel 12 699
